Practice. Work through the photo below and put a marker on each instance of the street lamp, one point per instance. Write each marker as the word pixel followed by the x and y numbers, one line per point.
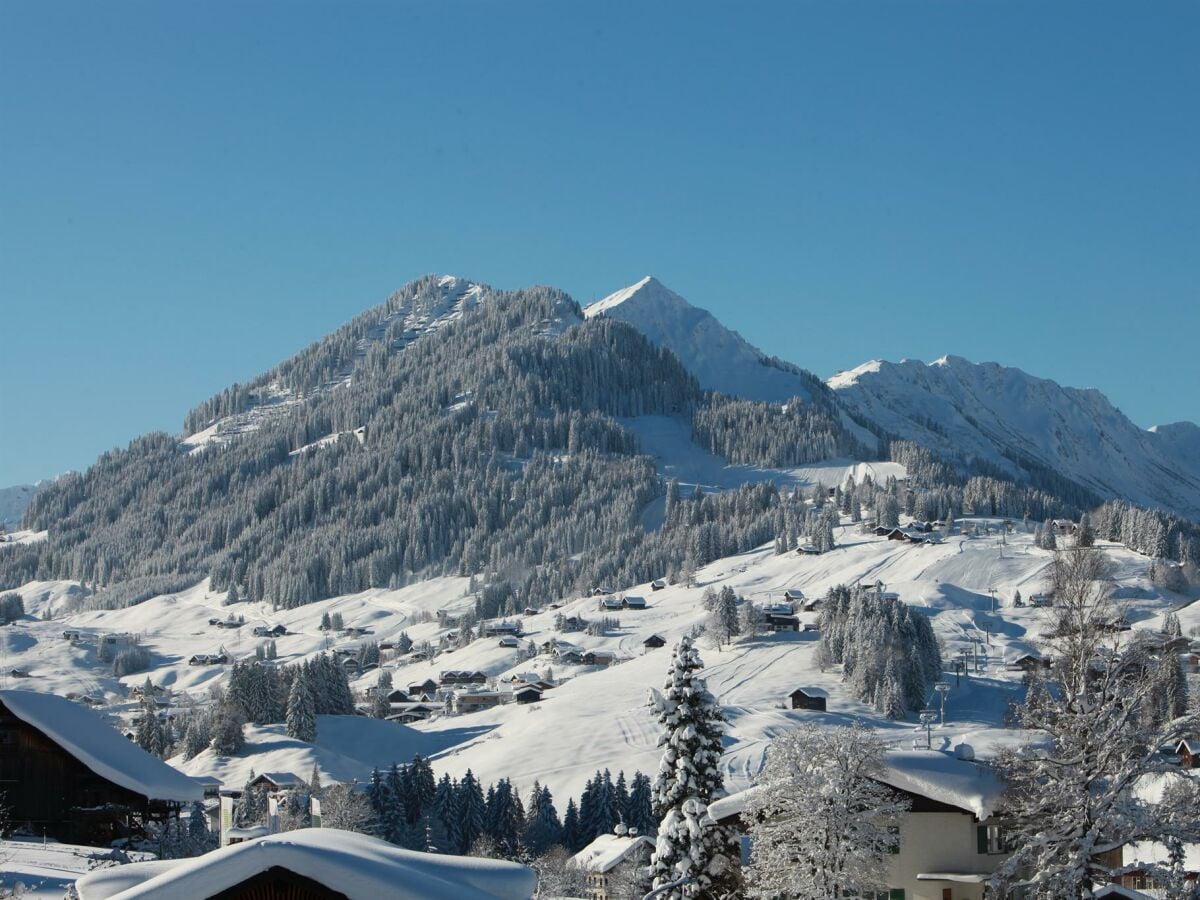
pixel 943 688
pixel 928 717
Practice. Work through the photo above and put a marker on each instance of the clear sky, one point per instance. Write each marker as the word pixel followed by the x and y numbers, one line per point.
pixel 190 192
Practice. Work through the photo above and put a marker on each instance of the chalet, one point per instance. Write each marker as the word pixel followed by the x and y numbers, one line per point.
pixel 658 584
pixel 70 775
pixel 775 622
pixel 313 864
pixel 229 623
pixel 496 629
pixel 570 655
pixel 1042 599
pixel 270 630
pixel 427 688
pixel 894 534
pixel 472 701
pixel 634 602
pixel 882 530
pixel 793 595
pixel 219 658
pixel 811 605
pixel 351 664
pixel 387 645
pixel 599 658
pixel 950 841
pixel 1063 526
pixel 1188 752
pixel 397 695
pixel 510 642
pixel 654 642
pixel 355 631
pixel 410 712
pixel 812 699
pixel 454 676
pixel 529 611
pixel 17 673
pixel 601 591
pixel 611 858
pixel 278 781
pixel 530 693
pixel 779 609
pixel 808 550
pixel 611 603
pixel 524 678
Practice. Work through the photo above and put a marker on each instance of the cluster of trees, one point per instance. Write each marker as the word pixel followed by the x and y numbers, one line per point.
pixel 763 434
pixel 12 607
pixel 888 653
pixel 1150 531
pixel 262 694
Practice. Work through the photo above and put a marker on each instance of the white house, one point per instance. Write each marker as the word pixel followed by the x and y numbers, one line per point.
pixel 611 861
pixel 950 842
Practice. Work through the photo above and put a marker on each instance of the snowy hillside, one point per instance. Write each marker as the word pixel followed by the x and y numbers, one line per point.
pixel 596 717
pixel 1007 417
pixel 720 358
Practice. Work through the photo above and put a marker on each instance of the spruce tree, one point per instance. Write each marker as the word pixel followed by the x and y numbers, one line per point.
pixel 301 709
pixel 689 778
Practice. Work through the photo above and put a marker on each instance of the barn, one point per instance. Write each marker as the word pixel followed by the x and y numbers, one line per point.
pixel 70 774
pixel 813 699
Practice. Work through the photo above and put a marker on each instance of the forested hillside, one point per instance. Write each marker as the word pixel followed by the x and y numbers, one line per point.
pixel 487 447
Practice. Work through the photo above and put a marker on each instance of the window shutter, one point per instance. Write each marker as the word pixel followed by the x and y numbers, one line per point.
pixel 982 836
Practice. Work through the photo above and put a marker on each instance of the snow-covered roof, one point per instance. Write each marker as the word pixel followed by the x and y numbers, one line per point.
pixel 969 786
pixel 608 851
pixel 101 748
pixel 943 777
pixel 361 867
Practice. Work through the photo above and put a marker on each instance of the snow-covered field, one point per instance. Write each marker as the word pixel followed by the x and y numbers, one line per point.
pixel 597 718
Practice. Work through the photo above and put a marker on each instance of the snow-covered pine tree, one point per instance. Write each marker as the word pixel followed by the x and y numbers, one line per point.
pixel 301 709
pixel 689 778
pixel 821 822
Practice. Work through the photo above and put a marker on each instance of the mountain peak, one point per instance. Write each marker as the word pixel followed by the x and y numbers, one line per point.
pixel 648 290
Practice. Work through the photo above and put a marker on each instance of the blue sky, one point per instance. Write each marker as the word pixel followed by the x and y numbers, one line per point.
pixel 189 192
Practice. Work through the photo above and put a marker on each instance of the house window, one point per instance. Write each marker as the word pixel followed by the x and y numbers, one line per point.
pixel 894 836
pixel 992 839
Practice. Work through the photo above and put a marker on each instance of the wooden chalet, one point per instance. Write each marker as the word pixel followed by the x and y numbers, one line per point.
pixel 793 595
pixel 611 603
pixel 496 629
pixel 1188 752
pixel 779 622
pixel 67 773
pixel 427 689
pixel 654 642
pixel 270 630
pixel 219 658
pixel 812 699
pixel 529 693
pixel 454 676
pixel 278 781
pixel 633 602
pixel 658 584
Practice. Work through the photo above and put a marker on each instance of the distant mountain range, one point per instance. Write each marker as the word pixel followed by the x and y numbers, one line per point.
pixel 966 412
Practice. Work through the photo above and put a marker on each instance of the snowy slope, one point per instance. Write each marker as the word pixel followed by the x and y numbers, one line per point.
pixel 596 718
pixel 719 358
pixel 992 412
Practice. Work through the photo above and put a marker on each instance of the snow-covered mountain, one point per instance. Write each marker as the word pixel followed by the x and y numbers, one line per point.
pixel 720 358
pixel 13 502
pixel 1007 417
